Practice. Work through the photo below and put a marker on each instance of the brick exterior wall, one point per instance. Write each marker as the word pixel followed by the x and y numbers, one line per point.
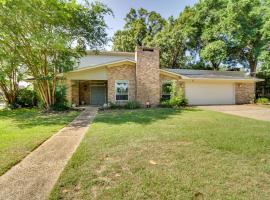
pixel 124 72
pixel 244 93
pixel 147 75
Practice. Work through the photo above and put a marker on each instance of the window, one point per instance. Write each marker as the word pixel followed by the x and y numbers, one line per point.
pixel 121 90
pixel 166 90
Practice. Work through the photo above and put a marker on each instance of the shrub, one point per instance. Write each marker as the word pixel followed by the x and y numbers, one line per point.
pixel 132 105
pixel 115 105
pixel 61 102
pixel 262 100
pixel 177 98
pixel 128 105
pixel 26 98
pixel 165 104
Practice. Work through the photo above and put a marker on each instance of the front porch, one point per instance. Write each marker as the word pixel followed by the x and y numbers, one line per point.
pixel 89 92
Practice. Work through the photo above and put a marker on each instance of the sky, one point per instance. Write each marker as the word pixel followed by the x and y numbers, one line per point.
pixel 120 8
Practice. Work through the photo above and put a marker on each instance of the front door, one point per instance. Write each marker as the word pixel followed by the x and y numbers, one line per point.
pixel 98 95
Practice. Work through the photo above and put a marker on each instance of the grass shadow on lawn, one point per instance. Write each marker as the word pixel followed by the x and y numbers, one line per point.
pixel 139 116
pixel 27 118
pixel 23 130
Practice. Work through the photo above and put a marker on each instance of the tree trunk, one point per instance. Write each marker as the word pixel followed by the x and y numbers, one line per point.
pixel 10 90
pixel 253 67
pixel 215 66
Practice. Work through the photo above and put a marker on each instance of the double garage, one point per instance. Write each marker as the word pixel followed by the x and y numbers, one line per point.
pixel 199 93
pixel 209 87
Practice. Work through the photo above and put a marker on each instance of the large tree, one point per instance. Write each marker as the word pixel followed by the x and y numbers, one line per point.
pixel 174 40
pixel 243 24
pixel 49 35
pixel 264 58
pixel 212 32
pixel 215 53
pixel 208 42
pixel 140 28
pixel 10 74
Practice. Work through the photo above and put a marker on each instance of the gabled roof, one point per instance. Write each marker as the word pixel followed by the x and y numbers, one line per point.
pixel 210 74
pixel 110 53
pixel 117 62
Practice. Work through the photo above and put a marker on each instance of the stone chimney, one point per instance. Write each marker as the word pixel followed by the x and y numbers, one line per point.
pixel 147 75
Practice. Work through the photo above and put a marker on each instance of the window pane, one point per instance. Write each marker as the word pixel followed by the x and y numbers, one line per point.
pixel 165 97
pixel 121 90
pixel 166 88
pixel 121 97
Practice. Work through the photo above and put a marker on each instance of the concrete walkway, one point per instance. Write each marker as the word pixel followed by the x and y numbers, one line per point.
pixel 250 111
pixel 35 175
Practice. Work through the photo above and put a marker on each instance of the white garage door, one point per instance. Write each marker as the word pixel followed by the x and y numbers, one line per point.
pixel 210 93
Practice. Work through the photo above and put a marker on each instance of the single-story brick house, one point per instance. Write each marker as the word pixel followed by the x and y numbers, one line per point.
pixel 122 76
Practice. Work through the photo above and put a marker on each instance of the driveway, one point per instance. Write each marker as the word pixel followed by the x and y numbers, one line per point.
pixel 250 111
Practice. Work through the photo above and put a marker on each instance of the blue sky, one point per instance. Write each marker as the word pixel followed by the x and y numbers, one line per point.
pixel 121 7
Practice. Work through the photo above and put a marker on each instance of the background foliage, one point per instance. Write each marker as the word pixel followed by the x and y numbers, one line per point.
pixel 213 34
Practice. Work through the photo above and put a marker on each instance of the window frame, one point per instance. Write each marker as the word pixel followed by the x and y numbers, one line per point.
pixel 115 91
pixel 162 83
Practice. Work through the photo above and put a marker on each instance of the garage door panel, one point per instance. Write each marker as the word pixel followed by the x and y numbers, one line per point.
pixel 210 93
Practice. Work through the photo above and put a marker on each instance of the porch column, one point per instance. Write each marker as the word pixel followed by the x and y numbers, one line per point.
pixel 69 91
pixel 75 92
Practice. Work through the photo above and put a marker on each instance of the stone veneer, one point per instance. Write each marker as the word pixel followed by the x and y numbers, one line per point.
pixel 147 75
pixel 124 72
pixel 244 93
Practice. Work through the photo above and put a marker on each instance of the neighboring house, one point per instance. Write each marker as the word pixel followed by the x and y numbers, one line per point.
pixel 120 77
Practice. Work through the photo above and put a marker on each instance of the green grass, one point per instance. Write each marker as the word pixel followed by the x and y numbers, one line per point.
pixel 22 130
pixel 169 154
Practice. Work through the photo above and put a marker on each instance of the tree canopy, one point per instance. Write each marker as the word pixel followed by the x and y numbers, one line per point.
pixel 46 37
pixel 212 33
pixel 140 28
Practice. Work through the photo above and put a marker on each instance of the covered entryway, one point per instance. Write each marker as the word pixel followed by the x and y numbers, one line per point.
pixel 98 95
pixel 201 93
pixel 92 92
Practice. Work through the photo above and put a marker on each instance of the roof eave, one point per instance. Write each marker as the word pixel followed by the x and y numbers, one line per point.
pixel 110 53
pixel 172 74
pixel 223 79
pixel 104 65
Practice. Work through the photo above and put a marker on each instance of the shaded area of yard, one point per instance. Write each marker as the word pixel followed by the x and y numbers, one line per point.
pixel 23 130
pixel 169 154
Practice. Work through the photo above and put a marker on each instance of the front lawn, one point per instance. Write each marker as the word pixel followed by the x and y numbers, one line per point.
pixel 169 154
pixel 22 130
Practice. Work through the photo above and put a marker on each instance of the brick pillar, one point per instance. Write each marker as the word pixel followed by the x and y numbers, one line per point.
pixel 147 75
pixel 244 93
pixel 69 90
pixel 75 92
